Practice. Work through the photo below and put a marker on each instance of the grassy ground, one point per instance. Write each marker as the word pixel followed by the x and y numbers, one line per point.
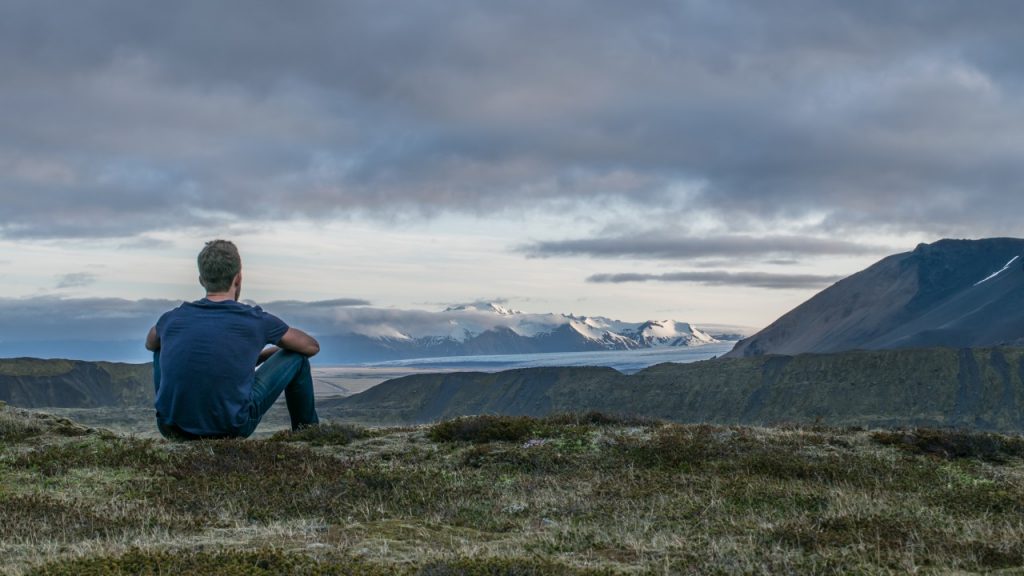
pixel 140 421
pixel 502 495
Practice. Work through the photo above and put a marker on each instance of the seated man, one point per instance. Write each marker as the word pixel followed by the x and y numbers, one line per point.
pixel 205 354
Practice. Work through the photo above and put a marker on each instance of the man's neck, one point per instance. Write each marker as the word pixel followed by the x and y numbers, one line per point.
pixel 219 296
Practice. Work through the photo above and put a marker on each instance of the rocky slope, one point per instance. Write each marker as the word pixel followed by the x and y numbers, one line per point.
pixel 956 293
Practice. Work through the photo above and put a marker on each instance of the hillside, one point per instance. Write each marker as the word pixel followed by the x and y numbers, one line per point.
pixel 568 495
pixel 979 388
pixel 31 382
pixel 955 293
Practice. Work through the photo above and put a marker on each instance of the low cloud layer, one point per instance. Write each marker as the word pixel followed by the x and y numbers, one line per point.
pixel 54 322
pixel 52 318
pixel 722 278
pixel 667 247
pixel 75 280
pixel 120 118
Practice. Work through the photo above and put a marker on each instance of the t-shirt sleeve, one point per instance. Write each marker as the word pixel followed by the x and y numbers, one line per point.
pixel 162 321
pixel 273 327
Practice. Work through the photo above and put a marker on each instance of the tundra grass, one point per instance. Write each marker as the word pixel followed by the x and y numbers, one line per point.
pixel 561 495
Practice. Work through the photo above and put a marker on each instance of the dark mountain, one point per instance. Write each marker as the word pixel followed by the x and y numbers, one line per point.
pixel 34 383
pixel 956 293
pixel 979 388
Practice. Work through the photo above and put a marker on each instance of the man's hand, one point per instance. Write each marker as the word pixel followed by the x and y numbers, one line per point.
pixel 298 341
pixel 266 353
pixel 152 340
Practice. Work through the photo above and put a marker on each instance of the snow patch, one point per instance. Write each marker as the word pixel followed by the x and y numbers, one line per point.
pixel 1000 271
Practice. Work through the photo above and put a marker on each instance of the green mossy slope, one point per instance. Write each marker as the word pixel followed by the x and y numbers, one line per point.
pixel 35 383
pixel 979 388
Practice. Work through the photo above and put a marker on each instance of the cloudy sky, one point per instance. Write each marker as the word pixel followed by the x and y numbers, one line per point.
pixel 710 161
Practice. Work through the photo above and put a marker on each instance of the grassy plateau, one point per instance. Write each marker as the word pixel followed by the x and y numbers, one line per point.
pixel 490 495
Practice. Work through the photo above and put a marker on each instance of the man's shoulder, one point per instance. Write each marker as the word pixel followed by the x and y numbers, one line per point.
pixel 211 309
pixel 172 312
pixel 252 309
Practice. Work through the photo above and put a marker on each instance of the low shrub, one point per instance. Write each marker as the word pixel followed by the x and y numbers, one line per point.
pixel 954 444
pixel 14 427
pixel 677 446
pixel 198 563
pixel 494 428
pixel 486 428
pixel 113 452
pixel 885 532
pixel 17 425
pixel 540 458
pixel 332 434
pixel 36 517
pixel 595 418
pixel 269 561
pixel 503 567
pixel 258 480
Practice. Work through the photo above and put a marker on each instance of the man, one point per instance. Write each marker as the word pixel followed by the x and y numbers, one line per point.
pixel 205 352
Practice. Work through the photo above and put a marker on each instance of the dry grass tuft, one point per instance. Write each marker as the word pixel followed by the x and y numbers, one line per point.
pixel 17 424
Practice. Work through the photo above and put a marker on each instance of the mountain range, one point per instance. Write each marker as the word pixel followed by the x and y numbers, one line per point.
pixel 954 293
pixel 490 328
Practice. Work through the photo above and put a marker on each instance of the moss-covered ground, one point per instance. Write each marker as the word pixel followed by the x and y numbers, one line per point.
pixel 587 494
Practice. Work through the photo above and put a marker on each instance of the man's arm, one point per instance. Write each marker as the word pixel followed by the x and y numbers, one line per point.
pixel 266 353
pixel 298 341
pixel 152 340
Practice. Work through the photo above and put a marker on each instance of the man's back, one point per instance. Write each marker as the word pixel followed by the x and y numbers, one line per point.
pixel 208 350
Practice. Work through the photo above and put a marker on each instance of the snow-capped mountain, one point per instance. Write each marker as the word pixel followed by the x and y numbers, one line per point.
pixel 655 333
pixel 491 328
pixel 483 307
pixel 466 322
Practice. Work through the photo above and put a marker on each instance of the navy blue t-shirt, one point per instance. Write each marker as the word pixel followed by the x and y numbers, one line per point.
pixel 208 353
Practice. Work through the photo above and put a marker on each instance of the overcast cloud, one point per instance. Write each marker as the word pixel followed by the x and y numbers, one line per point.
pixel 723 278
pixel 668 247
pixel 123 117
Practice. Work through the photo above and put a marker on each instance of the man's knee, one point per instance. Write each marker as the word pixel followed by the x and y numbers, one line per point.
pixel 290 357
